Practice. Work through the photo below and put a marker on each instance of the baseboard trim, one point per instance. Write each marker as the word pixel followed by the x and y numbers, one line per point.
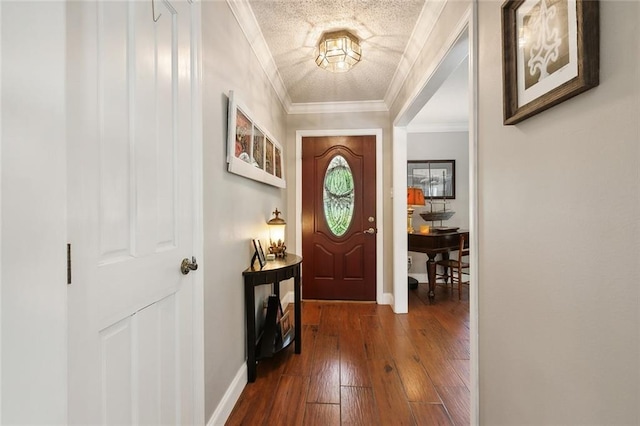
pixel 387 299
pixel 287 299
pixel 223 410
pixel 421 277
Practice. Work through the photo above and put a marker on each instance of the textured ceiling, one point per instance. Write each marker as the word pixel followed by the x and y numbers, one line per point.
pixel 292 28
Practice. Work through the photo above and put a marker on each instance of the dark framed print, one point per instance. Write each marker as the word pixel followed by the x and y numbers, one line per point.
pixel 258 253
pixel 436 178
pixel 550 53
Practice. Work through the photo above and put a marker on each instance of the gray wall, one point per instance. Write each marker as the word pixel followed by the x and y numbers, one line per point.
pixel 441 146
pixel 33 225
pixel 559 241
pixel 236 209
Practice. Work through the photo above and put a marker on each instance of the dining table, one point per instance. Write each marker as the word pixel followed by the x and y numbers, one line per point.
pixel 436 242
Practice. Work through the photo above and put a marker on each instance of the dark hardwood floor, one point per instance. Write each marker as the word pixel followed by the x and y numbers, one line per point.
pixel 363 364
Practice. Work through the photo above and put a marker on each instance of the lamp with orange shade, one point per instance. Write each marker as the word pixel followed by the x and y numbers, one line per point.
pixel 415 197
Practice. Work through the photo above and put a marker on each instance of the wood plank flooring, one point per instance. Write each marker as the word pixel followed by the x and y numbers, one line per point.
pixel 362 364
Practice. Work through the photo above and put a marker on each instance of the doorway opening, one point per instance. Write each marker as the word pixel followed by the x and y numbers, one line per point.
pixel 462 46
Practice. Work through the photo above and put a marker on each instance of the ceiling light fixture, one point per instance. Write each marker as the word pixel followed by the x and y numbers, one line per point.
pixel 338 51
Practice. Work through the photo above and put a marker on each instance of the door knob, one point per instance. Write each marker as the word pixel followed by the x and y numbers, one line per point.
pixel 369 231
pixel 187 266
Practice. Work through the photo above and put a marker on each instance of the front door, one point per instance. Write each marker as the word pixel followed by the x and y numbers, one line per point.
pixel 338 217
pixel 131 206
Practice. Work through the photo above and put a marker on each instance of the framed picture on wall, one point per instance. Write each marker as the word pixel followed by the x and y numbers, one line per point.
pixel 436 178
pixel 550 53
pixel 250 148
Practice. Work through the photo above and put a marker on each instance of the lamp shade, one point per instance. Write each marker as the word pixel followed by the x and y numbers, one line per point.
pixel 276 234
pixel 415 196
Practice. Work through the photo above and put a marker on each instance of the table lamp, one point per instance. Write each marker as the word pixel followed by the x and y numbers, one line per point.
pixel 415 197
pixel 276 235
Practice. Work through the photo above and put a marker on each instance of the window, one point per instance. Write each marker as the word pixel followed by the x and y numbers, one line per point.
pixel 338 195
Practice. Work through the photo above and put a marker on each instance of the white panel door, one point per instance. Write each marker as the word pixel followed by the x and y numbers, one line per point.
pixel 131 209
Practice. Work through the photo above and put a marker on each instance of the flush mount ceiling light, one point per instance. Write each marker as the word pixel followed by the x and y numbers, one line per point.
pixel 338 51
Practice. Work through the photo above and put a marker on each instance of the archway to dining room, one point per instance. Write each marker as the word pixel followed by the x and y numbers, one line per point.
pixel 413 142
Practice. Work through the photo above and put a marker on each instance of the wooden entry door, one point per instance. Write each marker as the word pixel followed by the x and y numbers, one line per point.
pixel 338 217
pixel 132 340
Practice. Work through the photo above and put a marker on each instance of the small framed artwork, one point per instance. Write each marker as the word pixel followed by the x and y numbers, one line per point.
pixel 436 178
pixel 278 162
pixel 285 324
pixel 258 254
pixel 257 151
pixel 242 148
pixel 550 53
pixel 268 155
pixel 250 148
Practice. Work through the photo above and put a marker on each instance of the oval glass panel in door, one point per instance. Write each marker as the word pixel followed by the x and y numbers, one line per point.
pixel 338 195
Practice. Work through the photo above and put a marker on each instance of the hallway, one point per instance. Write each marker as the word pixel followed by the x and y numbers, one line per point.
pixel 362 364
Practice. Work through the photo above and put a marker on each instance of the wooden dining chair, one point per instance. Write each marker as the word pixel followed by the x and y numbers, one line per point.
pixel 456 269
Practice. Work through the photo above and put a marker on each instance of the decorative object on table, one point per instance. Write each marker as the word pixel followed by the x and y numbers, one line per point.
pixel 276 235
pixel 258 254
pixel 437 212
pixel 550 53
pixel 338 51
pixel 437 179
pixel 415 197
pixel 251 151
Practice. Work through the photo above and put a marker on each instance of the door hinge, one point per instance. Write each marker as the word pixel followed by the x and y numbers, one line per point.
pixel 68 263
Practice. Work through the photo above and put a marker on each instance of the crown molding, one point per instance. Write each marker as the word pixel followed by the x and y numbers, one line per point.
pixel 330 107
pixel 462 126
pixel 243 13
pixel 417 41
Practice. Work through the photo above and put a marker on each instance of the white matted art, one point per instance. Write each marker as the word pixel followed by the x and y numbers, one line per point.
pixel 251 151
pixel 550 53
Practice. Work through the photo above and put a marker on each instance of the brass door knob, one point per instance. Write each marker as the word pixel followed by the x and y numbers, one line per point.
pixel 187 266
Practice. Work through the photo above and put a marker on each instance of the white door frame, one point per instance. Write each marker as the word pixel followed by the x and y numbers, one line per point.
pixel 468 26
pixel 198 213
pixel 381 298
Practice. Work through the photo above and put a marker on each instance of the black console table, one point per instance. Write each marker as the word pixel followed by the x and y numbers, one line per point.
pixel 272 273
